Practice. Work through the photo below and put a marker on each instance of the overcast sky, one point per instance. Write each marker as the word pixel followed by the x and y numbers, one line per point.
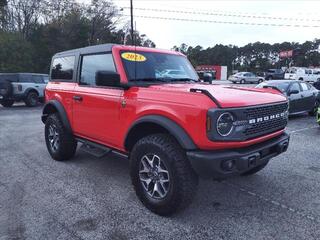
pixel 167 33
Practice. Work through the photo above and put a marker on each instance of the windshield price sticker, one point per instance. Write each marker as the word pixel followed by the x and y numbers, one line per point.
pixel 134 57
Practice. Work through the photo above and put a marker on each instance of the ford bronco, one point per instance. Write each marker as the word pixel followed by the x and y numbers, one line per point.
pixel 27 87
pixel 114 98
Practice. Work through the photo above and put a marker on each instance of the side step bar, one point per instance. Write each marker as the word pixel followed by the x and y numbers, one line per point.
pixel 96 149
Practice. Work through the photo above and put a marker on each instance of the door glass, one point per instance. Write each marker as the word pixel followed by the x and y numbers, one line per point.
pixel 38 79
pixel 62 68
pixel 295 87
pixel 91 64
pixel 304 86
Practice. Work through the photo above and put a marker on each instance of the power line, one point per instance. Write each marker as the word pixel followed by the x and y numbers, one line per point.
pixel 225 22
pixel 221 14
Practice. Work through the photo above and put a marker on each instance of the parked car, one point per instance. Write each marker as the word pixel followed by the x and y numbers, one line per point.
pixel 274 74
pixel 245 77
pixel 318 116
pixel 303 74
pixel 27 87
pixel 174 73
pixel 303 97
pixel 172 131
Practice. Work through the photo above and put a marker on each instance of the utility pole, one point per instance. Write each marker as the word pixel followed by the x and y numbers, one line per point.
pixel 131 11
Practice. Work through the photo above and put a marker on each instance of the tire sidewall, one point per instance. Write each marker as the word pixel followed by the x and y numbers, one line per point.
pixel 50 121
pixel 135 159
pixel 29 100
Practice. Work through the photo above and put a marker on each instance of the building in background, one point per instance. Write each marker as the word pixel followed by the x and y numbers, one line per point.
pixel 220 72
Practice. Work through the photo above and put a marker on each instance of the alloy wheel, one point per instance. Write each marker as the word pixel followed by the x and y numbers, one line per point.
pixel 154 176
pixel 53 137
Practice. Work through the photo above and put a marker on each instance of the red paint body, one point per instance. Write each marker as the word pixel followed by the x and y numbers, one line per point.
pixel 100 117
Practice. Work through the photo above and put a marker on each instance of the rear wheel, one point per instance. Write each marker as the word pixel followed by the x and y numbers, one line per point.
pixel 254 170
pixel 301 79
pixel 60 142
pixel 163 178
pixel 7 103
pixel 32 99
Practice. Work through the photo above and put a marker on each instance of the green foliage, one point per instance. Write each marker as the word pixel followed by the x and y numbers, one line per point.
pixel 254 56
pixel 32 31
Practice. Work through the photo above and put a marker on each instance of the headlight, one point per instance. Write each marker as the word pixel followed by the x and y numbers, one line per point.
pixel 225 124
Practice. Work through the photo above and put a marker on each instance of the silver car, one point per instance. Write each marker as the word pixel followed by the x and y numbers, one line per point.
pixel 245 77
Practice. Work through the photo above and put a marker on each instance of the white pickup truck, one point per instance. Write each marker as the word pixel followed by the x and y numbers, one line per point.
pixel 303 74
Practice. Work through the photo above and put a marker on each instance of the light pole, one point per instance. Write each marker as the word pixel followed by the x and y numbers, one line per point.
pixel 131 13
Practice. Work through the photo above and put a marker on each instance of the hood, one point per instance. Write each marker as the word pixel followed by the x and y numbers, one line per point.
pixel 229 96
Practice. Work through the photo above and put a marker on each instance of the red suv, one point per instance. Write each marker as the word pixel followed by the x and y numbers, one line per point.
pixel 149 105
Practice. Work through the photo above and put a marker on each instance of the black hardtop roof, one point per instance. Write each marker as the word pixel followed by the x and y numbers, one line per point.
pixel 88 50
pixel 41 74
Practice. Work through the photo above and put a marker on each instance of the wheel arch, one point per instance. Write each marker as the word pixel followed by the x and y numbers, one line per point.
pixel 54 106
pixel 30 89
pixel 153 124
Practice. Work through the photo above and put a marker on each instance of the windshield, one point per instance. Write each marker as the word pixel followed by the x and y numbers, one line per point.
pixel 282 86
pixel 157 67
pixel 291 70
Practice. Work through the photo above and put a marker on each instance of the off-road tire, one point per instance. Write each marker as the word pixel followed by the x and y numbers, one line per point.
pixel 7 87
pixel 183 179
pixel 7 103
pixel 254 170
pixel 67 143
pixel 32 99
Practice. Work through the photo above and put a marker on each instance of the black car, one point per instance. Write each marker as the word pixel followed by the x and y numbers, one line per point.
pixel 274 74
pixel 303 97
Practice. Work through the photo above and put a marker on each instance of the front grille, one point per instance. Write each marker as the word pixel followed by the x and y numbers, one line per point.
pixel 265 119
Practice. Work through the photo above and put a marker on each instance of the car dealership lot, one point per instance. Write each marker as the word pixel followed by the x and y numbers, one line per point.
pixel 90 198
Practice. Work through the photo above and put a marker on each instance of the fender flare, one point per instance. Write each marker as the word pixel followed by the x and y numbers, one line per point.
pixel 172 127
pixel 26 92
pixel 56 106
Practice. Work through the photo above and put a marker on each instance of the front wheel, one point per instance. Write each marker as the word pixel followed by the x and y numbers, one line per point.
pixel 60 142
pixel 162 176
pixel 242 81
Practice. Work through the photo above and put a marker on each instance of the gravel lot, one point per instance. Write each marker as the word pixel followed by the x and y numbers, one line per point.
pixel 90 198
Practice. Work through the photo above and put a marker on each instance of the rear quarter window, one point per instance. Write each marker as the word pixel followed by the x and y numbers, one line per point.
pixel 62 68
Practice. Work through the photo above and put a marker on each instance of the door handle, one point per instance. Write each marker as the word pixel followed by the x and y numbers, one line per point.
pixel 77 98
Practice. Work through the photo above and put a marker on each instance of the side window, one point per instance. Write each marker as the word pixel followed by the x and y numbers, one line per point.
pixel 91 64
pixel 246 74
pixel 25 78
pixel 304 86
pixel 62 68
pixel 294 87
pixel 38 79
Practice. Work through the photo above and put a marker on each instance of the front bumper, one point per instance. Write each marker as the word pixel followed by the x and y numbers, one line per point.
pixel 225 163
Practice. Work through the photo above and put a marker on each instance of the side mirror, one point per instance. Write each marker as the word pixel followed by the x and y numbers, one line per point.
pixel 293 92
pixel 108 78
pixel 207 78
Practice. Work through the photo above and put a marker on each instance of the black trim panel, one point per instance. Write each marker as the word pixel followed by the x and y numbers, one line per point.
pixel 61 111
pixel 173 128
